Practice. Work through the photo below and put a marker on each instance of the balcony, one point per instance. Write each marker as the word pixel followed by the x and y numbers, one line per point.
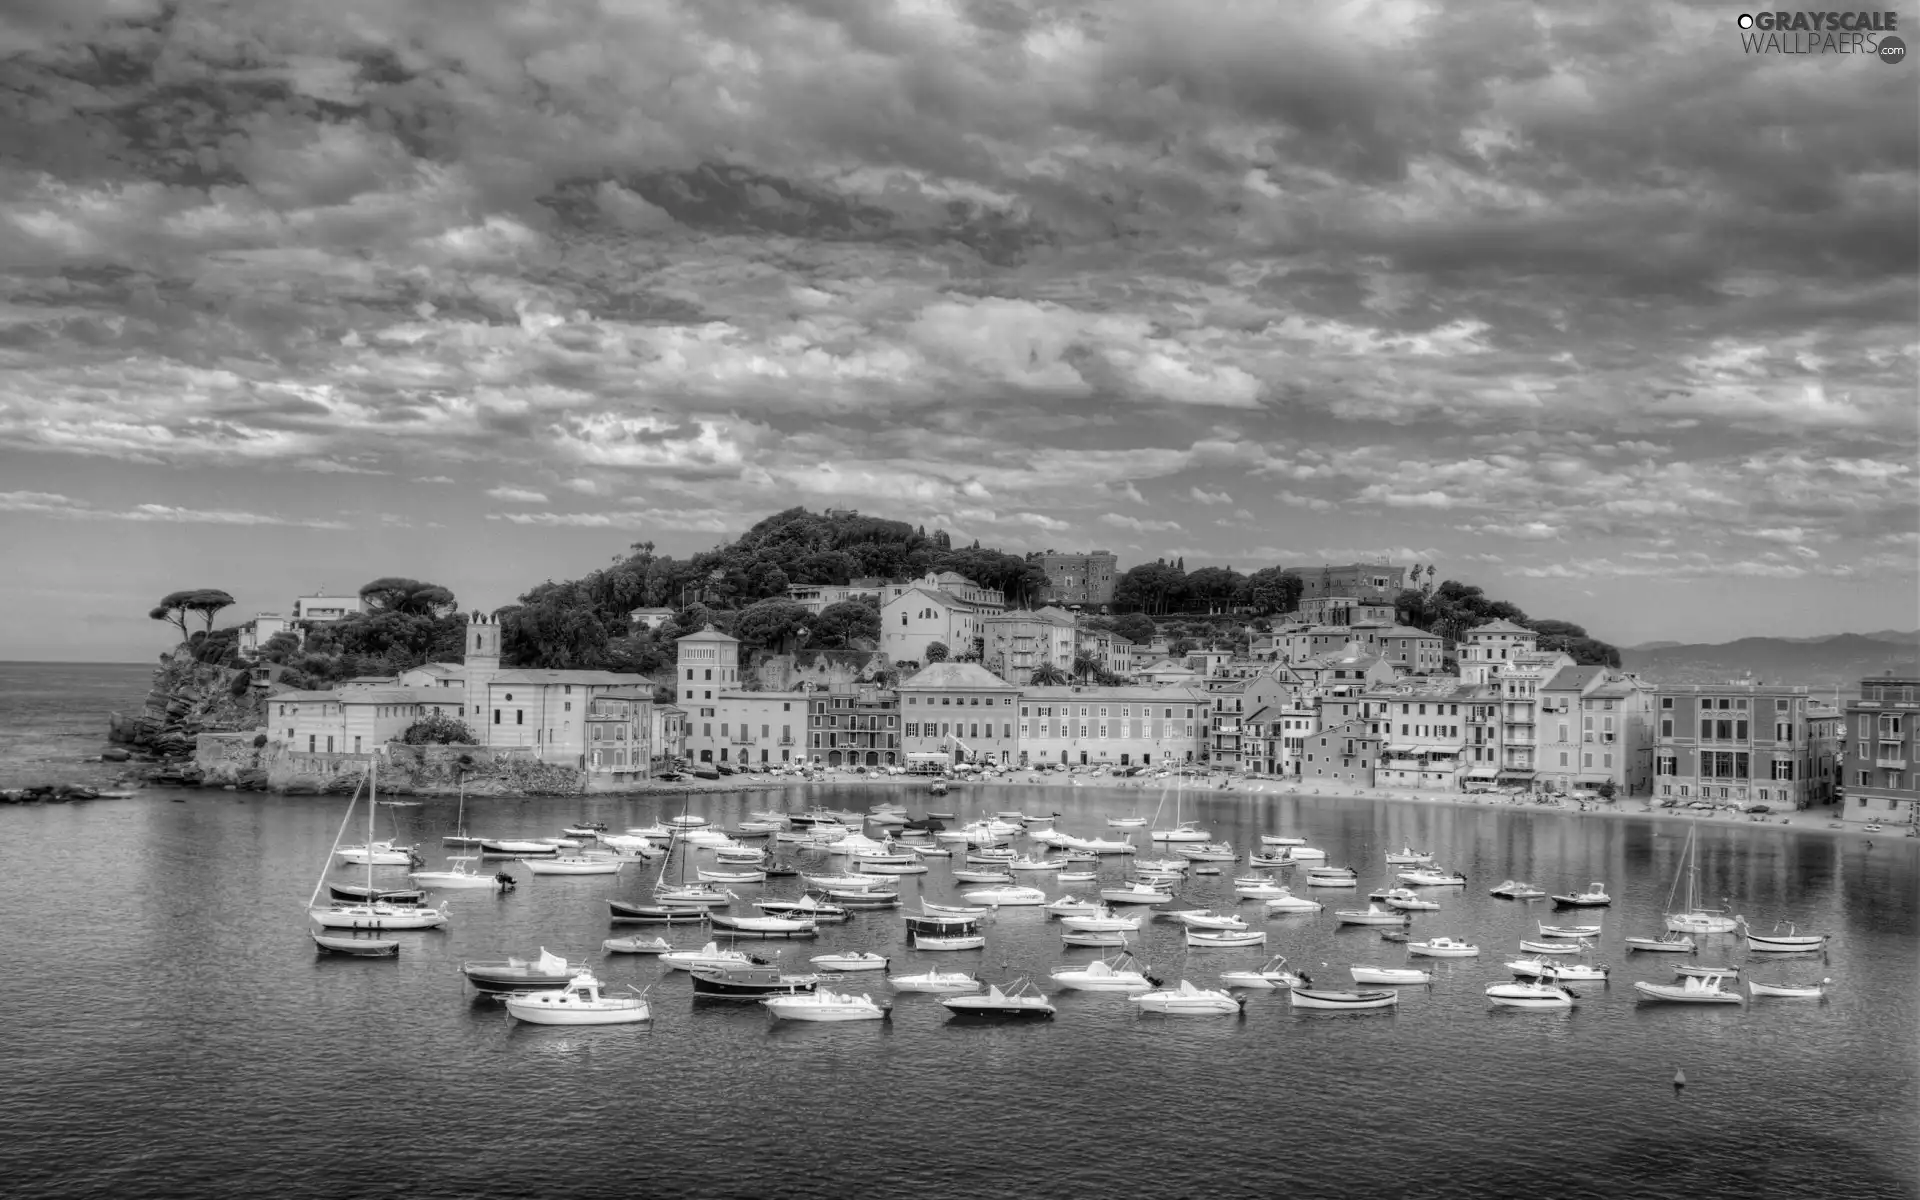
pixel 1883 760
pixel 786 741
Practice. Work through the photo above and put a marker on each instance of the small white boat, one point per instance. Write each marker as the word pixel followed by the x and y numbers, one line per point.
pixel 1555 947
pixel 1532 993
pixel 968 912
pixel 1136 893
pixel 983 877
pixel 1272 975
pixel 1594 897
pixel 1511 890
pixel 1077 876
pixel 1006 897
pixel 1787 943
pixel 1187 1000
pixel 1408 857
pixel 1374 915
pixel 1332 880
pixel 707 956
pixel 1389 975
pixel 1408 900
pixel 1030 863
pixel 1307 854
pixel 930 851
pixel 694 895
pixel 1806 991
pixel 767 924
pixel 1693 989
pixel 656 831
pixel 515 849
pixel 915 867
pixel 687 821
pixel 1126 822
pixel 1094 937
pixel 1019 1000
pixel 1073 906
pixel 569 864
pixel 1281 839
pixel 857 960
pixel 944 983
pixel 1117 974
pixel 1101 920
pixel 822 1005
pixel 1557 972
pixel 1287 902
pixel 1336 1000
pixel 1258 889
pixel 1162 866
pixel 1099 845
pixel 1225 939
pixel 378 916
pixel 1433 878
pixel 1270 861
pixel 457 876
pixel 1207 851
pixel 1669 942
pixel 1725 972
pixel 581 1002
pixel 379 854
pixel 1444 947
pixel 356 947
pixel 1701 921
pixel 1201 918
pixel 846 881
pixel 637 945
pixel 1186 831
pixel 639 847
pixel 1587 932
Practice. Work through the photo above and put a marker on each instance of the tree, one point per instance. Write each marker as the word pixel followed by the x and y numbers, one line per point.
pixel 552 635
pixel 1085 665
pixel 1135 627
pixel 438 729
pixel 207 602
pixel 937 652
pixel 771 624
pixel 170 611
pixel 839 624
pixel 1180 648
pixel 174 607
pixel 1048 675
pixel 281 646
pixel 1274 591
pixel 393 593
pixel 1151 588
pixel 1607 789
pixel 1213 587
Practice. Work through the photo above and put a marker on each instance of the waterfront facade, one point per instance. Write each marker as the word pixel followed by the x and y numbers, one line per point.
pixel 1423 735
pixel 353 720
pixel 1111 726
pixel 1739 744
pixel 542 711
pixel 708 662
pixel 619 737
pixel 958 712
pixel 747 729
pixel 1344 752
pixel 1882 750
pixel 1080 579
pixel 854 725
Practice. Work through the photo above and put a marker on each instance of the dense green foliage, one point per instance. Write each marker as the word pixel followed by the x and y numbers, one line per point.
pixel 1453 608
pixel 204 602
pixel 438 729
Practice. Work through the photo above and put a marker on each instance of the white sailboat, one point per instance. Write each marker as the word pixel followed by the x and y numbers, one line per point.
pixel 1693 918
pixel 460 875
pixel 1182 831
pixel 377 914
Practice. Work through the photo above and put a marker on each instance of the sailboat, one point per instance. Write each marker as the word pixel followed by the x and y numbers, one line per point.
pixel 1693 918
pixel 458 874
pixel 684 894
pixel 1182 831
pixel 372 914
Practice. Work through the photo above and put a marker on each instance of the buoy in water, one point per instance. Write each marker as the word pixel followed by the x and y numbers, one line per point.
pixel 1679 1081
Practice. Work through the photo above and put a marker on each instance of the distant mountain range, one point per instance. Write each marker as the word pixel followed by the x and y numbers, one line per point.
pixel 1836 660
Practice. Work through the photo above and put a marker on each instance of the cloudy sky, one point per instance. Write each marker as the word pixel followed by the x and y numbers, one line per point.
pixel 1581 303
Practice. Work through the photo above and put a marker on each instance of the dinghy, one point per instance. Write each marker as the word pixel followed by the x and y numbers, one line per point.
pixel 1225 939
pixel 1335 1000
pixel 1806 991
pixel 1594 897
pixel 1389 975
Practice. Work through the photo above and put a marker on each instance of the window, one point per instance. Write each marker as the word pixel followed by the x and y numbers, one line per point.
pixel 496 716
pixel 1782 769
pixel 1866 780
pixel 1890 726
pixel 1666 702
pixel 1666 728
pixel 913 729
pixel 1783 731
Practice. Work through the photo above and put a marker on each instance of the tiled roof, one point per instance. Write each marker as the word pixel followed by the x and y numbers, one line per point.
pixel 542 677
pixel 954 676
pixel 1573 678
pixel 1499 625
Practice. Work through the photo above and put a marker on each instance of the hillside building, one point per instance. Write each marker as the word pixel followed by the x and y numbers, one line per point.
pixel 1080 579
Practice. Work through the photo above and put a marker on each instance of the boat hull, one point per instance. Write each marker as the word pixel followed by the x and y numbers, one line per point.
pixel 823 1014
pixel 356 947
pixel 1093 937
pixel 1700 923
pixel 928 941
pixel 1341 1001
pixel 511 979
pixel 535 1010
pixel 351 919
pixel 1226 940
pixel 558 867
pixel 454 881
pixel 714 986
pixel 1808 991
pixel 1658 945
pixel 1513 997
pixel 655 914
pixel 1680 995
pixel 1785 945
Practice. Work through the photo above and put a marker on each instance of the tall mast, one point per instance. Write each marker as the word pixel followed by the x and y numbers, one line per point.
pixel 373 802
pixel 337 835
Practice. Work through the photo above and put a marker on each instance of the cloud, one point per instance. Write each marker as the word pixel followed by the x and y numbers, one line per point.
pixel 1202 496
pixel 51 504
pixel 517 494
pixel 1137 525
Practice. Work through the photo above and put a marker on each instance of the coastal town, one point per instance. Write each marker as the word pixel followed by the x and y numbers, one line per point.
pixel 1334 696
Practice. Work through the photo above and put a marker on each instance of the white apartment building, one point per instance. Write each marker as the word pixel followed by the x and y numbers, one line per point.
pixel 1120 726
pixel 748 729
pixel 918 617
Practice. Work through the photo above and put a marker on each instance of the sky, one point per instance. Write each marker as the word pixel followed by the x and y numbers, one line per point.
pixel 1581 304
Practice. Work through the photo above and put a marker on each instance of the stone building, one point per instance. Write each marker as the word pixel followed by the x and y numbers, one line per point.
pixel 1080 579
pixel 1112 726
pixel 1736 744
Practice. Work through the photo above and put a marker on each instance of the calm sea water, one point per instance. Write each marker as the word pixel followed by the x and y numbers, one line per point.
pixel 53 717
pixel 173 1033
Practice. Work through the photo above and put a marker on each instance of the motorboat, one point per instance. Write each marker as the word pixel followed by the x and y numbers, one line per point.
pixel 709 955
pixel 1341 872
pixel 458 876
pixel 1787 943
pixel 944 983
pixel 1136 893
pixel 1408 857
pixel 1443 947
pixel 1005 897
pixel 749 981
pixel 970 912
pixel 356 947
pixel 1332 879
pixel 1538 967
pixel 1117 974
pixel 1073 906
pixel 637 945
pixel 1076 877
pixel 1201 918
pixel 1172 867
pixel 1281 839
pixel 1594 897
pixel 353 893
pixel 1269 861
pixel 1389 975
pixel 1569 932
pixel 808 907
pixel 1429 877
pixel 690 821
pixel 658 914
pixel 765 926
pixel 1020 1000
pixel 1287 902
pixel 1670 942
pixel 1094 937
pixel 1270 975
pixel 1693 989
pixel 1408 900
pixel 1555 947
pixel 856 960
pixel 1187 1000
pixel 1706 972
pixel 1225 939
pixel 944 933
pixel 579 1002
pixel 912 867
pixel 1338 1000
pixel 1102 920
pixel 570 864
pixel 694 895
pixel 1000 877
pixel 1307 854
pixel 1373 915
pixel 1126 822
pixel 1532 993
pixel 1805 991
pixel 1030 863
pixel 504 848
pixel 545 973
pixel 822 1005
pixel 1258 889
pixel 1207 851
pixel 1692 917
pixel 1511 890
pixel 379 854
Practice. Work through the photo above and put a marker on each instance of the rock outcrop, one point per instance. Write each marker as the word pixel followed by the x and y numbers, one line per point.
pixel 187 699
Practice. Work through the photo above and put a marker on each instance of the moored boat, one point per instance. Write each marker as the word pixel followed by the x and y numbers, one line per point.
pixel 1389 975
pixel 1287 902
pixel 636 945
pixel 1532 993
pixel 545 973
pixel 853 960
pixel 1201 918
pixel 1006 897
pixel 1805 991
pixel 1707 972
pixel 709 955
pixel 1407 857
pixel 749 981
pixel 572 865
pixel 1102 920
pixel 1512 890
pixel 1094 937
pixel 823 1005
pixel 1225 939
pixel 1594 897
pixel 1444 947
pixel 579 1002
pixel 657 914
pixel 1271 975
pixel 1136 893
pixel 1555 947
pixel 1408 900
pixel 1779 943
pixel 1117 974
pixel 943 983
pixel 1373 915
pixel 1692 989
pixel 1340 1000
pixel 1431 877
pixel 764 926
pixel 1587 932
pixel 356 947
pixel 1187 1000
pixel 1670 942
pixel 1020 1000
